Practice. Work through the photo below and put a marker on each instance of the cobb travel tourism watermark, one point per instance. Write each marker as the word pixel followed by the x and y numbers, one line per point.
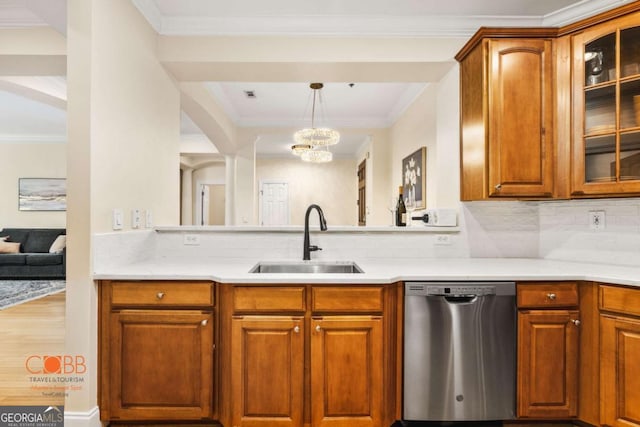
pixel 52 377
pixel 31 416
pixel 55 375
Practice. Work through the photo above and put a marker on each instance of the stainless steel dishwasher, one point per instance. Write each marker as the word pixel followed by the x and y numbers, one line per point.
pixel 459 351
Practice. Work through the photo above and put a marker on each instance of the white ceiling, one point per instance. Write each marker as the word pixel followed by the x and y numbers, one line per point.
pixel 287 105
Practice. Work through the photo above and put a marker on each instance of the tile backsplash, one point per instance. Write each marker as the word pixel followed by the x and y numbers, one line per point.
pixel 555 230
pixel 502 229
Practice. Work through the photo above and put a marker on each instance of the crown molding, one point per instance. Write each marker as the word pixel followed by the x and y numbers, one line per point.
pixel 336 26
pixel 35 139
pixel 581 10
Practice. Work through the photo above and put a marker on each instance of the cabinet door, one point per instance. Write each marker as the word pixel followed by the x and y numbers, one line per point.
pixel 606 116
pixel 520 109
pixel 620 371
pixel 346 371
pixel 161 365
pixel 547 363
pixel 267 378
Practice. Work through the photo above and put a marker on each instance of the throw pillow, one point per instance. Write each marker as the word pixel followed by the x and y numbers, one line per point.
pixel 9 247
pixel 58 245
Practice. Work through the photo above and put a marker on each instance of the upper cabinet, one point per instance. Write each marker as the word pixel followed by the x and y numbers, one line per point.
pixel 606 109
pixel 552 112
pixel 507 104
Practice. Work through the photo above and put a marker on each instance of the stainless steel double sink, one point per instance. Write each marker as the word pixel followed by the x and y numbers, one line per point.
pixel 307 267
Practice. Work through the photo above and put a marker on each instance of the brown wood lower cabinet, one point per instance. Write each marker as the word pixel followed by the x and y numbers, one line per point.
pixel 548 339
pixel 267 371
pixel 156 351
pixel 547 364
pixel 308 355
pixel 620 371
pixel 347 371
pixel 620 356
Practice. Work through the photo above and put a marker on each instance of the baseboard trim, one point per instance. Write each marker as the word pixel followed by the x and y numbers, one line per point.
pixel 89 418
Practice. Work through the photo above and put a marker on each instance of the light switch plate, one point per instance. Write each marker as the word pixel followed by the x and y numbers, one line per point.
pixel 117 219
pixel 135 218
pixel 148 223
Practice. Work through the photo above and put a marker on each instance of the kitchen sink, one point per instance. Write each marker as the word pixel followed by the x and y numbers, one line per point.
pixel 307 267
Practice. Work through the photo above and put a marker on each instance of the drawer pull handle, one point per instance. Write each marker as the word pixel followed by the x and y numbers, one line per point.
pixel 204 322
pixel 498 187
pixel 551 296
pixel 318 328
pixel 160 295
pixel 296 329
pixel 575 322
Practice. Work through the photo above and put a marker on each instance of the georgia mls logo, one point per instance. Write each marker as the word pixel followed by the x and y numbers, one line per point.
pixel 31 416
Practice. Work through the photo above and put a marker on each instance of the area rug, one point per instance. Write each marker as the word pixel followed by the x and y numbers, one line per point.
pixel 14 292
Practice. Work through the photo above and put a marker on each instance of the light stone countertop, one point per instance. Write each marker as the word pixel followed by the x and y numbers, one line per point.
pixel 232 270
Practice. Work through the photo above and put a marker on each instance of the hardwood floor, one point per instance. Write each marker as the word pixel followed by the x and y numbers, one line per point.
pixel 33 328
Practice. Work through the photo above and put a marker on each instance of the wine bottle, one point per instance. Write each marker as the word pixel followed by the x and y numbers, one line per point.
pixel 401 211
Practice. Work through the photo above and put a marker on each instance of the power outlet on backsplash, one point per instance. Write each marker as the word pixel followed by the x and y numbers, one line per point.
pixel 443 239
pixel 596 220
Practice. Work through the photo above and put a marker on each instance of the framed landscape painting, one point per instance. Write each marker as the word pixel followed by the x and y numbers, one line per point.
pixel 414 179
pixel 42 194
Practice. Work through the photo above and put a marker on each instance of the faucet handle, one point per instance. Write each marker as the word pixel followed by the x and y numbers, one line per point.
pixel 313 248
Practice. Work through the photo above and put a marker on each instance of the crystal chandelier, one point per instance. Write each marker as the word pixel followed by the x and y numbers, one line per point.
pixel 310 141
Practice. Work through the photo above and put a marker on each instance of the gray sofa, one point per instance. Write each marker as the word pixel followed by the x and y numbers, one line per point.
pixel 34 260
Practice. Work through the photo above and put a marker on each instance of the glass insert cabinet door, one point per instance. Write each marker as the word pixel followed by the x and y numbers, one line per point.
pixel 606 150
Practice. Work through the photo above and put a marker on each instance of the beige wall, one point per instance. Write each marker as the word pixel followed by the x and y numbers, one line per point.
pixel 210 174
pixel 414 129
pixel 333 186
pixel 25 160
pixel 123 151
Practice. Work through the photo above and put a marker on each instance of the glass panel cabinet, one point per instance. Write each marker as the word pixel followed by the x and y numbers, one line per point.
pixel 606 136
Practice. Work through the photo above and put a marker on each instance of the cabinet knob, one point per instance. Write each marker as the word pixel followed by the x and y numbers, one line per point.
pixel 204 322
pixel 160 295
pixel 498 187
pixel 575 322
pixel 296 329
pixel 551 296
pixel 318 328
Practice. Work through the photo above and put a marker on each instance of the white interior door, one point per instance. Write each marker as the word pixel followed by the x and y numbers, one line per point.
pixel 274 207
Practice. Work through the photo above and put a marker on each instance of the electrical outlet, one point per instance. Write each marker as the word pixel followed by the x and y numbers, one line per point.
pixel 191 239
pixel 596 220
pixel 443 239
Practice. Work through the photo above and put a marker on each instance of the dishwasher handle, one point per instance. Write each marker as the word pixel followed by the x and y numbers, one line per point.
pixel 460 299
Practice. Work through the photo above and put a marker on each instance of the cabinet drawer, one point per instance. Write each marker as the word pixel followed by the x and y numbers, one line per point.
pixel 268 298
pixel 620 300
pixel 541 295
pixel 161 294
pixel 363 299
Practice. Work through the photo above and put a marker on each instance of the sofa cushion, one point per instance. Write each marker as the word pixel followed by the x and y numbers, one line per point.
pixel 58 245
pixel 13 259
pixel 40 240
pixel 9 247
pixel 43 259
pixel 15 234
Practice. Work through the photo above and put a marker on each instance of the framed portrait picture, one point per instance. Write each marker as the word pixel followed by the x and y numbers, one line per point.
pixel 414 179
pixel 42 194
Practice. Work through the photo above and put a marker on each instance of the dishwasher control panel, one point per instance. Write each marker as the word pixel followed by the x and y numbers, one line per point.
pixel 458 288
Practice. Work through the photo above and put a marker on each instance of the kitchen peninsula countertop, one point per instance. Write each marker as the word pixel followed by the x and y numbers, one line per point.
pixel 231 270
